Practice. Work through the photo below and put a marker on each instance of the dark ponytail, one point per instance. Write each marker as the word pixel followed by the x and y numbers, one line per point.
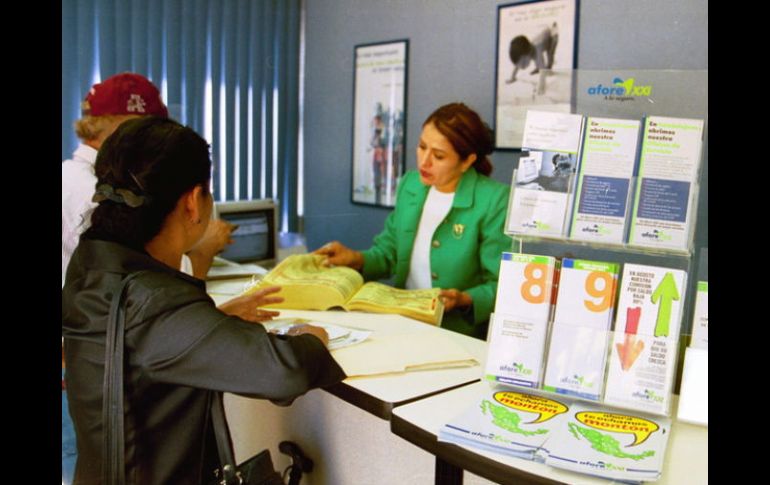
pixel 467 133
pixel 143 169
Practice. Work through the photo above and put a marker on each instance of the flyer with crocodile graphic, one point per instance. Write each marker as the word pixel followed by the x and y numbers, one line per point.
pixel 621 446
pixel 508 422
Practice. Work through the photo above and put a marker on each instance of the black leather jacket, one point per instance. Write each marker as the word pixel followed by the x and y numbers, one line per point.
pixel 180 348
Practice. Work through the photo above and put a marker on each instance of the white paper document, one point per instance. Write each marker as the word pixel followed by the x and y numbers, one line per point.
pixel 339 337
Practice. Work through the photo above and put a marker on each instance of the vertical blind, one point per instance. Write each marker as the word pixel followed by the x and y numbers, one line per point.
pixel 229 69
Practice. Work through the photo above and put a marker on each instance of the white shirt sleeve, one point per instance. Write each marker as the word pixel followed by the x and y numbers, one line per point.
pixel 78 183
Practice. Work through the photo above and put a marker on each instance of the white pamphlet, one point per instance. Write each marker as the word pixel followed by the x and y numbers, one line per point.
pixel 604 187
pixel 644 351
pixel 519 326
pixel 580 330
pixel 542 186
pixel 668 169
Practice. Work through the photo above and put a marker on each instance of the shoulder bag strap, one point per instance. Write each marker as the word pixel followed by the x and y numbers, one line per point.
pixel 113 445
pixel 224 446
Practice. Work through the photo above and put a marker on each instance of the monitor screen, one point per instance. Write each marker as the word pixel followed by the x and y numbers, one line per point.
pixel 254 240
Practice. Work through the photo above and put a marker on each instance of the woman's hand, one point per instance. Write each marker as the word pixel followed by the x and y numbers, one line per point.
pixel 217 236
pixel 318 332
pixel 455 299
pixel 246 306
pixel 213 242
pixel 337 254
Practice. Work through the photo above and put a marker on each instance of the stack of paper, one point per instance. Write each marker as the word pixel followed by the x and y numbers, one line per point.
pixel 506 422
pixel 624 447
pixel 519 326
pixel 580 330
pixel 644 350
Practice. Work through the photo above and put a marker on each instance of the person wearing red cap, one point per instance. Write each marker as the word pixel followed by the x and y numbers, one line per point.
pixel 107 105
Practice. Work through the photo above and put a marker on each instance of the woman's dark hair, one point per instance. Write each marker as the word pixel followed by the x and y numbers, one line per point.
pixel 155 158
pixel 467 133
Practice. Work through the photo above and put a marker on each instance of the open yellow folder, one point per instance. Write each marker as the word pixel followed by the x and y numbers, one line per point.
pixel 402 353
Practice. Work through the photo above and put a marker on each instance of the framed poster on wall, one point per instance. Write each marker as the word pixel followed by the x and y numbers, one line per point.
pixel 536 53
pixel 379 121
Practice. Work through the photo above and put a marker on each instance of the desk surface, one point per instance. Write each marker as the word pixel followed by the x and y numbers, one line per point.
pixel 686 459
pixel 378 395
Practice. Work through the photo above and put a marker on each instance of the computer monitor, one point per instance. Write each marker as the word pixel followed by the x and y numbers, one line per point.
pixel 255 240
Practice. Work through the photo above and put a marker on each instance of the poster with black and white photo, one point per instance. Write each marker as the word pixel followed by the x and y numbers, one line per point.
pixel 536 53
pixel 379 121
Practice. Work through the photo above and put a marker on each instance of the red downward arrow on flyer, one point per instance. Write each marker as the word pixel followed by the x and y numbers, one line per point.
pixel 630 349
pixel 633 314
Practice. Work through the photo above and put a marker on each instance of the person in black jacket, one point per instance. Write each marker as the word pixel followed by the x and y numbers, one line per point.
pixel 154 204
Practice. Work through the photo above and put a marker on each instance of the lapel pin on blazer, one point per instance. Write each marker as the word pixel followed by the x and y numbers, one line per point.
pixel 457 230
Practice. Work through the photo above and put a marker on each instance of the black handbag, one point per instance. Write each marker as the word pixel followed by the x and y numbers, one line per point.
pixel 258 470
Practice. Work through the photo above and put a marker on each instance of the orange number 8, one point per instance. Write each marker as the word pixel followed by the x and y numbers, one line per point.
pixel 532 281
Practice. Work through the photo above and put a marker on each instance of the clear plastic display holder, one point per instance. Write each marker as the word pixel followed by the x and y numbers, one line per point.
pixel 693 396
pixel 622 94
pixel 516 224
pixel 622 373
pixel 628 95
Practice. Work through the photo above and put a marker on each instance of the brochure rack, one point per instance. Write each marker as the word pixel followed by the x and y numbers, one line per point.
pixel 632 95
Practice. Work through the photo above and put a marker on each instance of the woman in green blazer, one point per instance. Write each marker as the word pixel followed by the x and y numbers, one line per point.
pixel 446 230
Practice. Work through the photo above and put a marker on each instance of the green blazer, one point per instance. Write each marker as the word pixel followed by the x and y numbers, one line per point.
pixel 465 253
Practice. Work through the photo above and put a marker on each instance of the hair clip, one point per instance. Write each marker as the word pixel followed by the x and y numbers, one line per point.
pixel 121 196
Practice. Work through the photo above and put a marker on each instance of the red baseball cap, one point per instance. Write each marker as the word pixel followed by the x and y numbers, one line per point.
pixel 124 94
